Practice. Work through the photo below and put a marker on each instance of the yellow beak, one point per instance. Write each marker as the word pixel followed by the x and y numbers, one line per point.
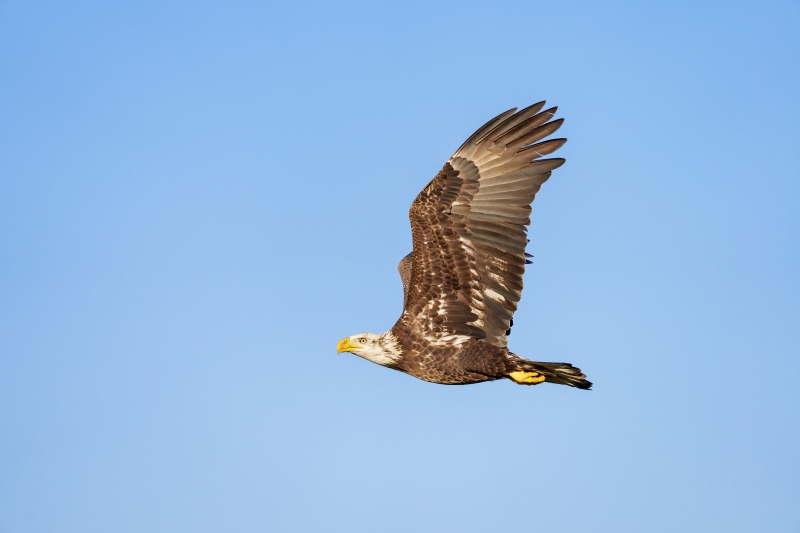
pixel 345 346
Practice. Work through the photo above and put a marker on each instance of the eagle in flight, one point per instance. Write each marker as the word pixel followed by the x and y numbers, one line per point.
pixel 463 279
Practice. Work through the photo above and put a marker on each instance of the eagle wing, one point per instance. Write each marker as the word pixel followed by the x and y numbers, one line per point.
pixel 469 229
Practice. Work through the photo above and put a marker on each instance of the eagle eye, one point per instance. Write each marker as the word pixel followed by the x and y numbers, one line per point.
pixel 362 340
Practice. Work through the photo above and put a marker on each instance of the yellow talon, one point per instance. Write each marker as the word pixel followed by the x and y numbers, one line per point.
pixel 526 378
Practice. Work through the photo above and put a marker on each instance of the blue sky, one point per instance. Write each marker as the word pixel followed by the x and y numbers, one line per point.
pixel 198 199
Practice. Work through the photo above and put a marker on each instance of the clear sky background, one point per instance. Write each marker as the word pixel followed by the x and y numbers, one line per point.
pixel 198 199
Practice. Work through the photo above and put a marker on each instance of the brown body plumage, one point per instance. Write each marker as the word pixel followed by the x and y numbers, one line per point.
pixel 463 281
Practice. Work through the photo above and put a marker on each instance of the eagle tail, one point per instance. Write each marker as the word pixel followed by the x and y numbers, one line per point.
pixel 561 373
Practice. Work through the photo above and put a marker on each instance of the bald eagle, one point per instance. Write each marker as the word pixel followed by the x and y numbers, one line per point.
pixel 463 280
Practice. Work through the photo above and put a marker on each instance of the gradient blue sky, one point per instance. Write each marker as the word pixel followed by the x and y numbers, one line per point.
pixel 198 199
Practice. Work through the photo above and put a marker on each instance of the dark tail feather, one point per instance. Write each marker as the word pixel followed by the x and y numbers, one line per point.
pixel 561 373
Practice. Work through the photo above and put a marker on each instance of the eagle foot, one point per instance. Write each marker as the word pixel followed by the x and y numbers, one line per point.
pixel 526 378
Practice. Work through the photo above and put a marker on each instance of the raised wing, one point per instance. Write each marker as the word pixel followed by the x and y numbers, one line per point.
pixel 469 228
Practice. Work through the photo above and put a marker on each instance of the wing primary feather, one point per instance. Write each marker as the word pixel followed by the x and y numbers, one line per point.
pixel 544 148
pixel 535 135
pixel 542 165
pixel 511 122
pixel 529 125
pixel 483 129
pixel 520 130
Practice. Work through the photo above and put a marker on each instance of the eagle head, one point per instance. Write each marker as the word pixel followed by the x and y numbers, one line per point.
pixel 382 349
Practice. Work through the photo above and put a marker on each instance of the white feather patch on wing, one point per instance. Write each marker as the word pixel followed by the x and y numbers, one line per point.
pixel 447 340
pixel 499 279
pixel 497 297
